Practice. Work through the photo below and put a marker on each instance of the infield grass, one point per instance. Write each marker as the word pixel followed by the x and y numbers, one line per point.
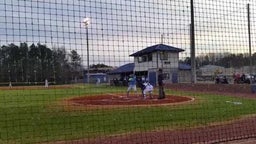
pixel 33 116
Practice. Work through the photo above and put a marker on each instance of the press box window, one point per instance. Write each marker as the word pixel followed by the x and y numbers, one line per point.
pixel 149 57
pixel 142 59
pixel 163 56
pixel 139 59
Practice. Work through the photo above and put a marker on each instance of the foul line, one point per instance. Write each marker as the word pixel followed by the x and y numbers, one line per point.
pixel 114 95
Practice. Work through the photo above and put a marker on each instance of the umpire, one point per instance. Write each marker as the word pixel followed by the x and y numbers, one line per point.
pixel 161 84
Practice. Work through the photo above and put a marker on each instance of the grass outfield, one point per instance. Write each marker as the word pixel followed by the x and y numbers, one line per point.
pixel 32 116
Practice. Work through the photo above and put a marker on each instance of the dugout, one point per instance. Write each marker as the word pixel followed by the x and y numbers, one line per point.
pixel 94 76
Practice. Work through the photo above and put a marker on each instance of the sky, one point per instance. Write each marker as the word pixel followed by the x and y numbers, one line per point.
pixel 119 28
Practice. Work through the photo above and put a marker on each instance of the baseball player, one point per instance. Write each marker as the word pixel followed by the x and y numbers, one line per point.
pixel 131 84
pixel 148 88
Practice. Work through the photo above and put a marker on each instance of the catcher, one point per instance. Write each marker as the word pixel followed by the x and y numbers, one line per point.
pixel 147 88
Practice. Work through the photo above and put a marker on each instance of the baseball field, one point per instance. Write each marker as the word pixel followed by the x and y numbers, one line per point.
pixel 66 114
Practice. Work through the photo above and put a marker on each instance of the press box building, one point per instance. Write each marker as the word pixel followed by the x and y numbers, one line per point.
pixel 162 56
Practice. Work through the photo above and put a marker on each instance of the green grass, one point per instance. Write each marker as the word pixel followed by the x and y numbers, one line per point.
pixel 31 116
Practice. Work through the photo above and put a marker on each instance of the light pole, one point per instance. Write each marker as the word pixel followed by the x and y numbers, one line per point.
pixel 86 22
pixel 162 52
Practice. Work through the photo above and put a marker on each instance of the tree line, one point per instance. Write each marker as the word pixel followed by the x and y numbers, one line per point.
pixel 226 60
pixel 37 62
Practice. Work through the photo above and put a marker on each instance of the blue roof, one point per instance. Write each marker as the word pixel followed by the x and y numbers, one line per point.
pixel 159 47
pixel 123 69
pixel 183 66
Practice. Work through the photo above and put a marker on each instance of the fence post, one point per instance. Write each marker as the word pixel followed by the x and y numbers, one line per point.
pixel 249 36
pixel 192 38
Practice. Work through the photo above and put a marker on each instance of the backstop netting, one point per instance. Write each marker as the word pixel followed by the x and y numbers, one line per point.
pixel 129 71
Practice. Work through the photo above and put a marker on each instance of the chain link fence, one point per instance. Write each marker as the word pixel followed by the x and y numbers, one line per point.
pixel 68 70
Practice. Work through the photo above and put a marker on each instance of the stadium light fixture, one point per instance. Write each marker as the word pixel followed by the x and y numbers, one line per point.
pixel 86 22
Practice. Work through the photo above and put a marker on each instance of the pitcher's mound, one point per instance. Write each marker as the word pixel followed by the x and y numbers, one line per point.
pixel 122 99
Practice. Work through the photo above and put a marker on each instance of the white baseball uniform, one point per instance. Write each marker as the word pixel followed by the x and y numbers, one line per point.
pixel 148 89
